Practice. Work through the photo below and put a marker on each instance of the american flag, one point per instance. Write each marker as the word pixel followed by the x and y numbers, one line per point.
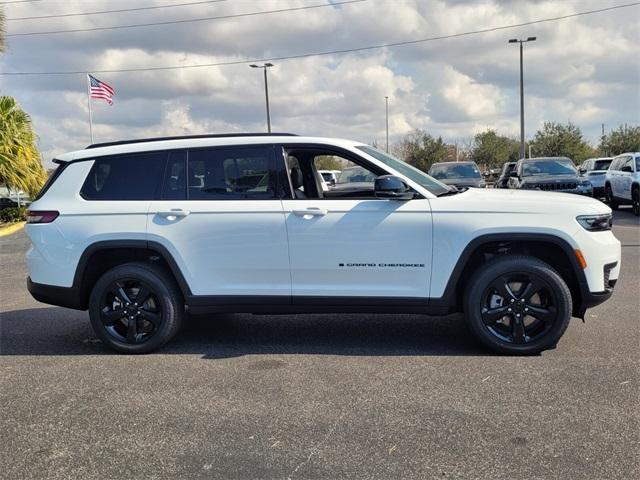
pixel 100 90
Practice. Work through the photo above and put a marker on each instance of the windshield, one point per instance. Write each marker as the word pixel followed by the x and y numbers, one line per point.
pixel 356 175
pixel 548 167
pixel 601 164
pixel 412 173
pixel 453 171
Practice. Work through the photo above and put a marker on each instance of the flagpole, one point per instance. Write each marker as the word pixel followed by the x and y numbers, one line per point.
pixel 89 104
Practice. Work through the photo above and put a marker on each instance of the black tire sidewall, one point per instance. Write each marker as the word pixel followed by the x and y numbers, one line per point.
pixel 610 198
pixel 635 201
pixel 521 264
pixel 164 290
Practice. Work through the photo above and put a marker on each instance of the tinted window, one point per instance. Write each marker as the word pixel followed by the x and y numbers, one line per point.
pixel 217 174
pixel 601 164
pixel 175 177
pixel 548 167
pixel 126 177
pixel 637 164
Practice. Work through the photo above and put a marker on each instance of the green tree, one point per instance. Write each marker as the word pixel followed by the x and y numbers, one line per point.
pixel 492 150
pixel 559 140
pixel 328 162
pixel 20 166
pixel 622 139
pixel 421 150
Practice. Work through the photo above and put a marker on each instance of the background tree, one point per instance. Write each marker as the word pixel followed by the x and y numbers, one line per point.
pixel 559 140
pixel 492 150
pixel 622 139
pixel 20 166
pixel 421 150
pixel 328 162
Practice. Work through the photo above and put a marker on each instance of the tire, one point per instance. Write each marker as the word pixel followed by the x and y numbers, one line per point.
pixel 506 323
pixel 131 326
pixel 611 200
pixel 635 199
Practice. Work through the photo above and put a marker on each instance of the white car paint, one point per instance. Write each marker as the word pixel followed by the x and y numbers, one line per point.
pixel 283 247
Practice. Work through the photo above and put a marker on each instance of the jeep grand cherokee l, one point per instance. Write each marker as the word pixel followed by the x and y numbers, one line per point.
pixel 556 174
pixel 140 232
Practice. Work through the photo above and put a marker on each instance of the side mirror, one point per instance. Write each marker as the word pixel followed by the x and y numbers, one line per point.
pixel 389 186
pixel 513 174
pixel 332 182
pixel 627 168
pixel 582 170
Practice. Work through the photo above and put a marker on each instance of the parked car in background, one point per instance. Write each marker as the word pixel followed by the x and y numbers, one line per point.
pixel 558 174
pixel 330 176
pixel 503 178
pixel 622 181
pixel 354 180
pixel 594 170
pixel 458 174
pixel 7 203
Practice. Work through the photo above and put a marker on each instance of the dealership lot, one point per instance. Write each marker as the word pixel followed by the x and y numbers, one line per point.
pixel 318 396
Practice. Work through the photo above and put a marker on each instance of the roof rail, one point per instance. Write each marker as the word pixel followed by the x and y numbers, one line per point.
pixel 187 137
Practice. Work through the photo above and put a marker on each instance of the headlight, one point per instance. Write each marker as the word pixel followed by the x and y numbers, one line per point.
pixel 596 223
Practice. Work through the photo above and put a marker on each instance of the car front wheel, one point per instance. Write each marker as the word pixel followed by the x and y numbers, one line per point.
pixel 635 198
pixel 610 198
pixel 135 308
pixel 518 305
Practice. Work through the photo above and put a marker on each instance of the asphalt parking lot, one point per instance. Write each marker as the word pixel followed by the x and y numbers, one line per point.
pixel 318 396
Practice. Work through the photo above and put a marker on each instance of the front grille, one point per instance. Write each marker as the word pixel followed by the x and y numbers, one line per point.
pixel 607 272
pixel 557 186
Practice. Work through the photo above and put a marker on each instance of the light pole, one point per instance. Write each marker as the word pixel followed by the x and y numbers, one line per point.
pixel 515 40
pixel 386 100
pixel 266 90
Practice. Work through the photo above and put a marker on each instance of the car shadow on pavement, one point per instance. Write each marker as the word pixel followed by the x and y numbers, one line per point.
pixel 58 331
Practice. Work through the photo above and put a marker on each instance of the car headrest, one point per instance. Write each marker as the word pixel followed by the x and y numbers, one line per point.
pixel 296 177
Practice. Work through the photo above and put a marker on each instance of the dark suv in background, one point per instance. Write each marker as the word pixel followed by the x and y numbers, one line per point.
pixel 458 174
pixel 503 179
pixel 557 174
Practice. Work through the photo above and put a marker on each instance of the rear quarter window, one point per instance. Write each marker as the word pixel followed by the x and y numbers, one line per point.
pixel 124 177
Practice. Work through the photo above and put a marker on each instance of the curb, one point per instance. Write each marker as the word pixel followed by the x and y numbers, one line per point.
pixel 11 229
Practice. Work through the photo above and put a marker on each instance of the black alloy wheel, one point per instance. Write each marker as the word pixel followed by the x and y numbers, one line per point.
pixel 130 311
pixel 136 307
pixel 519 308
pixel 517 304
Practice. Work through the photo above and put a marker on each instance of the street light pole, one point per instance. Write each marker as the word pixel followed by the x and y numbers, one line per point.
pixel 515 40
pixel 266 90
pixel 386 99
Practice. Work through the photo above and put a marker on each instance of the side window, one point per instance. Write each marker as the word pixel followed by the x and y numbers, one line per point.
pixel 626 162
pixel 230 174
pixel 124 177
pixel 347 172
pixel 174 186
pixel 615 164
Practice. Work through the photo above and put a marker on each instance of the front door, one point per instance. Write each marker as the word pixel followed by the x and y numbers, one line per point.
pixel 344 242
pixel 222 220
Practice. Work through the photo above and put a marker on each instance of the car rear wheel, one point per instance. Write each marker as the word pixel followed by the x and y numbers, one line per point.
pixel 518 305
pixel 635 198
pixel 610 198
pixel 135 308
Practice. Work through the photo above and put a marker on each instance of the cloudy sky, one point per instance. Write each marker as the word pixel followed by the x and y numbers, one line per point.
pixel 583 69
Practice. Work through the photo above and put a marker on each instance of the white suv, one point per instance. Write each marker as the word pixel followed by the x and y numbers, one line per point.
pixel 140 232
pixel 622 181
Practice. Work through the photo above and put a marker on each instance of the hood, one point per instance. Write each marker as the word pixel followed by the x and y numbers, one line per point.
pixel 463 182
pixel 498 200
pixel 551 179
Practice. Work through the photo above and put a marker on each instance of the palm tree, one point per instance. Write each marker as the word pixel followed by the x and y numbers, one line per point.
pixel 20 166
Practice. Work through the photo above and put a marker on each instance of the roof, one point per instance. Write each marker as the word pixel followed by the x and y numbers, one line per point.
pixel 196 141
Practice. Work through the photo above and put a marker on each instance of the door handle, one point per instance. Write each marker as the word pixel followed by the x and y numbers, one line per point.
pixel 312 211
pixel 174 214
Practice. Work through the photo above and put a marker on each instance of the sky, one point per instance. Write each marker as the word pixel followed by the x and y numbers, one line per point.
pixel 585 69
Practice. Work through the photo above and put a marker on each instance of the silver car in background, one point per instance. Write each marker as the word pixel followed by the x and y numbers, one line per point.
pixel 594 170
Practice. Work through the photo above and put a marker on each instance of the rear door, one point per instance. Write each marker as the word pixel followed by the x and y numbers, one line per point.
pixel 221 218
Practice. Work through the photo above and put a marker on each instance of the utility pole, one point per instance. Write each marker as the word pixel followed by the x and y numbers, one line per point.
pixel 266 90
pixel 515 40
pixel 386 100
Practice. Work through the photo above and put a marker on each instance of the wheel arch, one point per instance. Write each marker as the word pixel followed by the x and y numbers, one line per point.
pixel 101 256
pixel 551 249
